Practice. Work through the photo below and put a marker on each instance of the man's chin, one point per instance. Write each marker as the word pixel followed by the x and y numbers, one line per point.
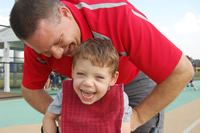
pixel 69 55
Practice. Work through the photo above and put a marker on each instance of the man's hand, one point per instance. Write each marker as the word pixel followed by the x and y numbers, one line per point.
pixel 38 99
pixel 163 94
pixel 135 121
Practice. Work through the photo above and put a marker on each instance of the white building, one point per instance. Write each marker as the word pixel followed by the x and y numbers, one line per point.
pixel 10 48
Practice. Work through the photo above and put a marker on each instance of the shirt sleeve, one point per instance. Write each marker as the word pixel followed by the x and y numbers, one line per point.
pixel 148 49
pixel 36 70
pixel 55 106
pixel 127 109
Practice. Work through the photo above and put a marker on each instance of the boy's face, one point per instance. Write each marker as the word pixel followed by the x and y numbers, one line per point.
pixel 91 82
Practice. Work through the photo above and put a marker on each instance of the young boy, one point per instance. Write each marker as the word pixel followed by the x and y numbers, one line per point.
pixel 91 102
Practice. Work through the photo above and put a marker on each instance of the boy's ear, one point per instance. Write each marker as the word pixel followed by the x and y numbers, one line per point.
pixel 114 79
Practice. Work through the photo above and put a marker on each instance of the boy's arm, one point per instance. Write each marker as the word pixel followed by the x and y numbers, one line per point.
pixel 49 124
pixel 126 127
pixel 126 117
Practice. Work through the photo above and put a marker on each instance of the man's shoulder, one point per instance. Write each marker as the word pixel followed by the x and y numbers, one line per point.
pixel 94 1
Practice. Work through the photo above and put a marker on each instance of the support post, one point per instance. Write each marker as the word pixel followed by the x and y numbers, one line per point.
pixel 6 68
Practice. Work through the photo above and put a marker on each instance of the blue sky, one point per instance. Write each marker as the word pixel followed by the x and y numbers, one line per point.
pixel 178 20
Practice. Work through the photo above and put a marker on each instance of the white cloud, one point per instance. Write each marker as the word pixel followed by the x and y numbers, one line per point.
pixel 185 34
pixel 163 30
pixel 190 45
pixel 4 21
pixel 189 24
pixel 4 10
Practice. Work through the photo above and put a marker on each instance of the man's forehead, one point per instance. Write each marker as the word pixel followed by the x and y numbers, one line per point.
pixel 40 35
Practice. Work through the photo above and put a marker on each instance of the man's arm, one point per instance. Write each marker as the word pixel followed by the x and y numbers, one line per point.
pixel 163 94
pixel 38 99
pixel 49 124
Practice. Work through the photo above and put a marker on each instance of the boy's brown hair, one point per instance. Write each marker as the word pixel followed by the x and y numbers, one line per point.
pixel 99 52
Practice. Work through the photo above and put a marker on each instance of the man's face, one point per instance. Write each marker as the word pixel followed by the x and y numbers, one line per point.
pixel 56 40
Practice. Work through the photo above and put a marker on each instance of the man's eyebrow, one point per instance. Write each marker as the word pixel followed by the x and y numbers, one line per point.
pixel 56 42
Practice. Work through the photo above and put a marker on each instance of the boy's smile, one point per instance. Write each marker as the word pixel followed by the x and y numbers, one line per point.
pixel 87 95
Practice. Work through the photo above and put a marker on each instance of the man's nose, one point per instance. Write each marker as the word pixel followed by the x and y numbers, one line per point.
pixel 57 52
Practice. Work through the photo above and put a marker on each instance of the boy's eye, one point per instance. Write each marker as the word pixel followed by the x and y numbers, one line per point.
pixel 79 73
pixel 99 77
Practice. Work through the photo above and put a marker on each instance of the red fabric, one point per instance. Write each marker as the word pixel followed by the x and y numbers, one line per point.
pixel 148 50
pixel 103 116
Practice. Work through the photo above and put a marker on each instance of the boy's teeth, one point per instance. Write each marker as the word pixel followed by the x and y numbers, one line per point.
pixel 87 94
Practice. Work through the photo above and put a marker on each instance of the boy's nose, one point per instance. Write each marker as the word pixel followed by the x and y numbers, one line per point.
pixel 88 82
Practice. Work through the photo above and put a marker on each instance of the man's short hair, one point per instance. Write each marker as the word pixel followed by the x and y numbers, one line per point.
pixel 26 14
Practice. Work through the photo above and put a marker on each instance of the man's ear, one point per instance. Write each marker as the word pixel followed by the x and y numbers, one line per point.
pixel 64 11
pixel 114 79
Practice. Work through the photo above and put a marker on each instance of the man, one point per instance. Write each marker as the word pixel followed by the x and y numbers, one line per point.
pixel 52 30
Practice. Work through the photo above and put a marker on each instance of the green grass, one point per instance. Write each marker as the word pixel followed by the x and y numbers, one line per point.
pixel 18 83
pixel 18 80
pixel 197 75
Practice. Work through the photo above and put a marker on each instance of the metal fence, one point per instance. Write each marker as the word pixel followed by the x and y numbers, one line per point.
pixel 16 74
